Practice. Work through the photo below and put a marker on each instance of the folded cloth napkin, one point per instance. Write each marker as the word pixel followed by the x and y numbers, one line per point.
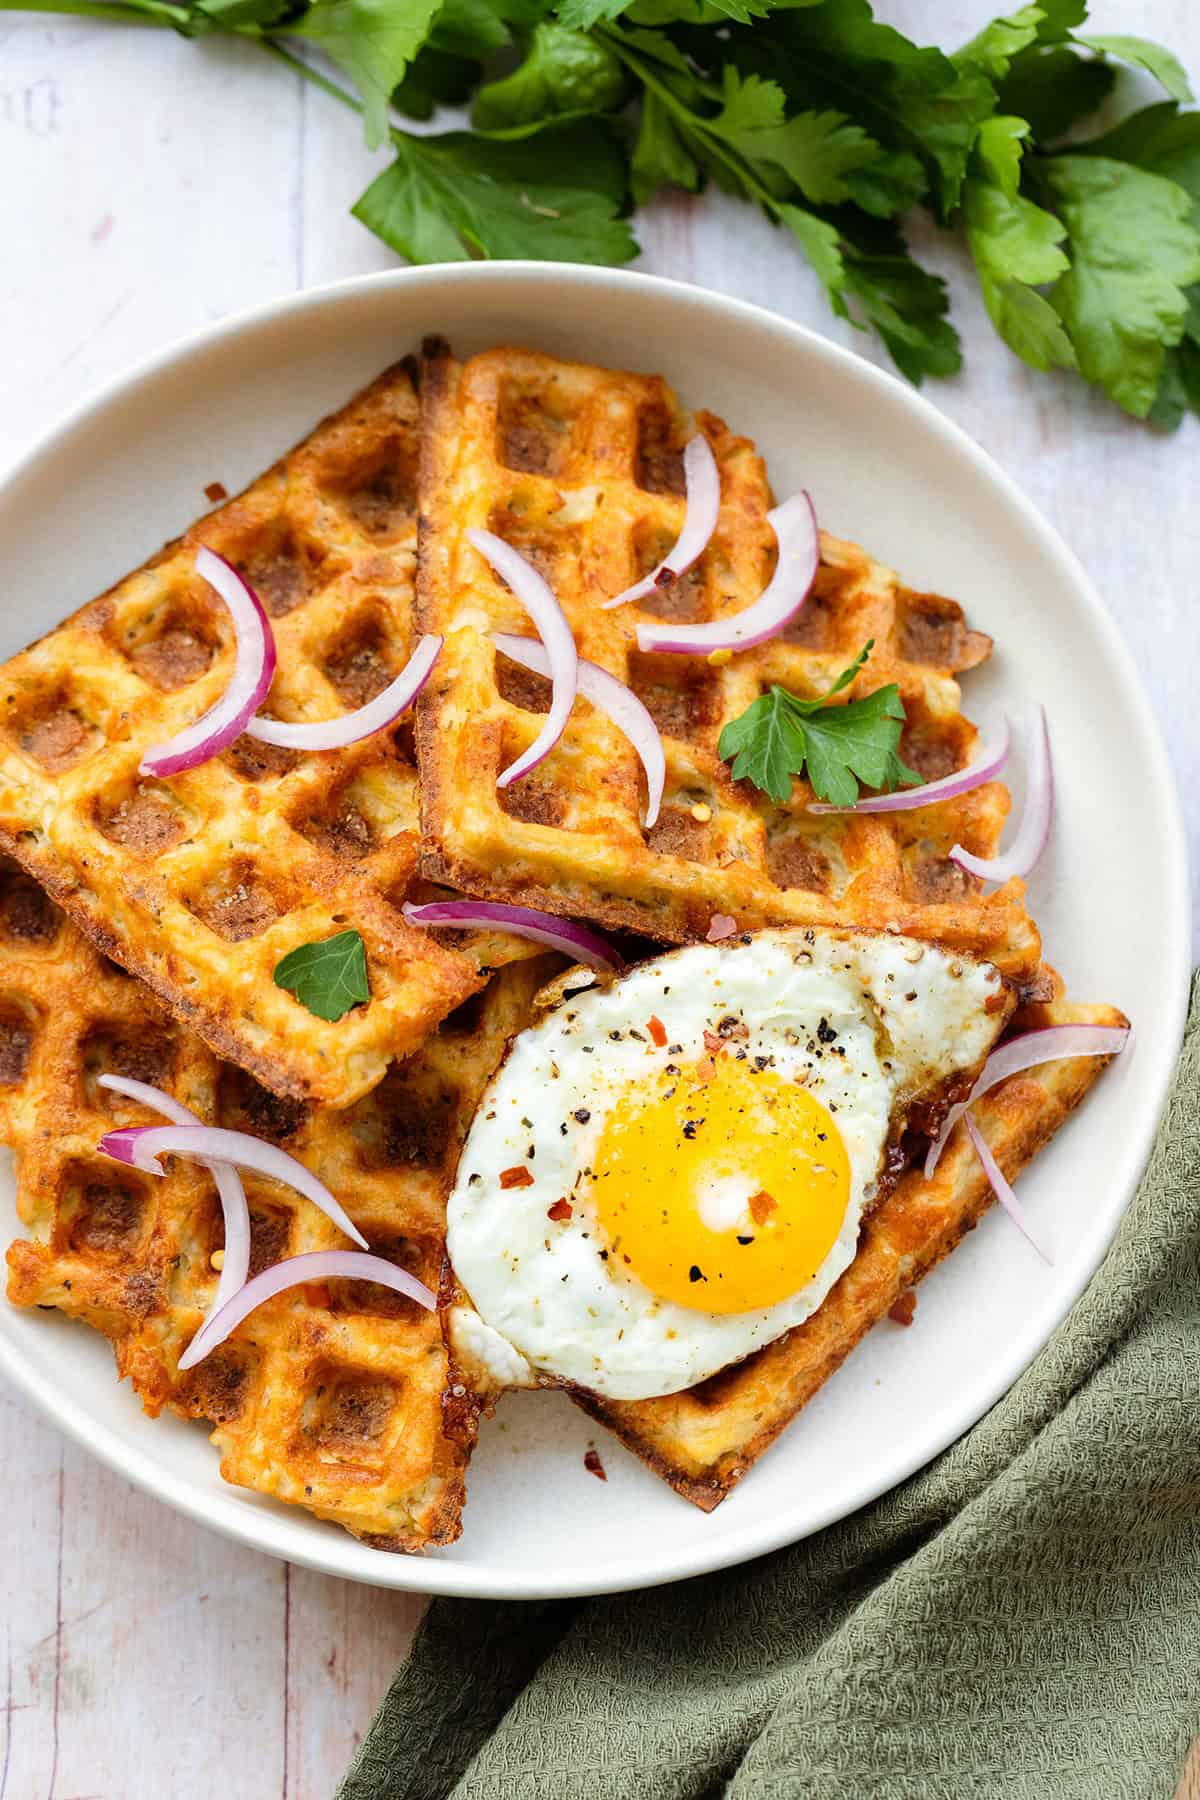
pixel 1022 1618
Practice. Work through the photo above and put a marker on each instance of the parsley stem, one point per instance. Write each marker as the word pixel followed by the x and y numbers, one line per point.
pixel 138 12
pixel 309 73
pixel 690 121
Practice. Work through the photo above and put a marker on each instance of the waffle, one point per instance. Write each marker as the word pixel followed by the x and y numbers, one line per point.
pixel 580 469
pixel 704 1440
pixel 339 1397
pixel 200 884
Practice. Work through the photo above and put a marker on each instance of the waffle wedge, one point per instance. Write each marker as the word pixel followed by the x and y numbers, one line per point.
pixel 704 1440
pixel 580 469
pixel 201 883
pixel 339 1397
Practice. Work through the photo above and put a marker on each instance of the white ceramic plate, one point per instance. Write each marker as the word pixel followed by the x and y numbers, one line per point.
pixel 129 470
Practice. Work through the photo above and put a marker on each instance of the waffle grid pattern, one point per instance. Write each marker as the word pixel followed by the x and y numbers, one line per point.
pixel 339 1397
pixel 201 883
pixel 580 469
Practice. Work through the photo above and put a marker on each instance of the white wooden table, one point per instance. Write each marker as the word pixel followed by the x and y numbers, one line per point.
pixel 148 185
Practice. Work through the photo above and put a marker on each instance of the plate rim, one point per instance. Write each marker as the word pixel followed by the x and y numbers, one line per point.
pixel 292 1538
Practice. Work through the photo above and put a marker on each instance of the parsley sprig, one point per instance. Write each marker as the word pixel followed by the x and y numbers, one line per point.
pixel 834 124
pixel 328 977
pixel 780 736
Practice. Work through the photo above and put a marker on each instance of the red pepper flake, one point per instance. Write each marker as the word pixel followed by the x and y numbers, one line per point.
pixel 761 1206
pixel 560 1210
pixel 594 1466
pixel 902 1310
pixel 316 1294
pixel 705 1070
pixel 657 1030
pixel 714 1044
pixel 516 1177
pixel 215 491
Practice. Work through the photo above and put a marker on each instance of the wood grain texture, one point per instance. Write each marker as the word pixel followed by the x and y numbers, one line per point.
pixel 149 186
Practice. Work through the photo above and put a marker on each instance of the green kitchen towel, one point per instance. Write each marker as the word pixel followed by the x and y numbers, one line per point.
pixel 1019 1621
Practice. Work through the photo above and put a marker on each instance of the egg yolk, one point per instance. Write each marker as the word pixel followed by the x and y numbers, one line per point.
pixel 724 1189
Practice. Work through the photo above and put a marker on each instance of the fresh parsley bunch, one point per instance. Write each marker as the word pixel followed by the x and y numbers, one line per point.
pixel 837 126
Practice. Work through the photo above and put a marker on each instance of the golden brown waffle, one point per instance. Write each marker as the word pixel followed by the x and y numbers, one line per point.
pixel 704 1440
pixel 580 469
pixel 200 884
pixel 339 1397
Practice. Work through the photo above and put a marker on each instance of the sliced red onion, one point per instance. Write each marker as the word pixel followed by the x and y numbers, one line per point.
pixel 141 1146
pixel 1028 1051
pixel 575 941
pixel 795 527
pixel 1034 829
pixel 702 484
pixel 554 629
pixel 253 671
pixel 720 926
pixel 987 765
pixel 612 697
pixel 1001 1188
pixel 335 734
pixel 229 1188
pixel 296 1271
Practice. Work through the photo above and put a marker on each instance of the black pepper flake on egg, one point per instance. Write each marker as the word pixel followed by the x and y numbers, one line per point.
pixel 690 1127
pixel 826 1032
pixel 821 1136
pixel 581 1115
pixel 695 1273
pixel 636 1034
pixel 528 1124
pixel 911 995
pixel 474 1180
pixel 615 1036
pixel 745 1240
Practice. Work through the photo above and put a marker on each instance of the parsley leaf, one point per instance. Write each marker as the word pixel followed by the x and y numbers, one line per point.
pixel 825 156
pixel 906 305
pixel 994 48
pixel 329 977
pixel 374 41
pixel 906 96
pixel 1051 88
pixel 1134 249
pixel 563 72
pixel 1016 246
pixel 780 736
pixel 553 194
pixel 1166 68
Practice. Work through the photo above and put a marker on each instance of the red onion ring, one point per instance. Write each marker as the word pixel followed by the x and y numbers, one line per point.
pixel 988 765
pixel 554 629
pixel 1001 1188
pixel 295 1271
pixel 141 1146
pixel 795 527
pixel 1034 829
pixel 229 1187
pixel 702 486
pixel 612 697
pixel 335 734
pixel 1052 1043
pixel 573 940
pixel 253 672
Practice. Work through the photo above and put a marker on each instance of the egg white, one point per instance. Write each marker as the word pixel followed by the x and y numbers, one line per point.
pixel 906 1015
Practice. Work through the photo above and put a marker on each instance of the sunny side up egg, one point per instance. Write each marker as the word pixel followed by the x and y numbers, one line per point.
pixel 671 1171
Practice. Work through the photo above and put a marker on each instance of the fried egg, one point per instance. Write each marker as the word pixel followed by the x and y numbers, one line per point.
pixel 669 1172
